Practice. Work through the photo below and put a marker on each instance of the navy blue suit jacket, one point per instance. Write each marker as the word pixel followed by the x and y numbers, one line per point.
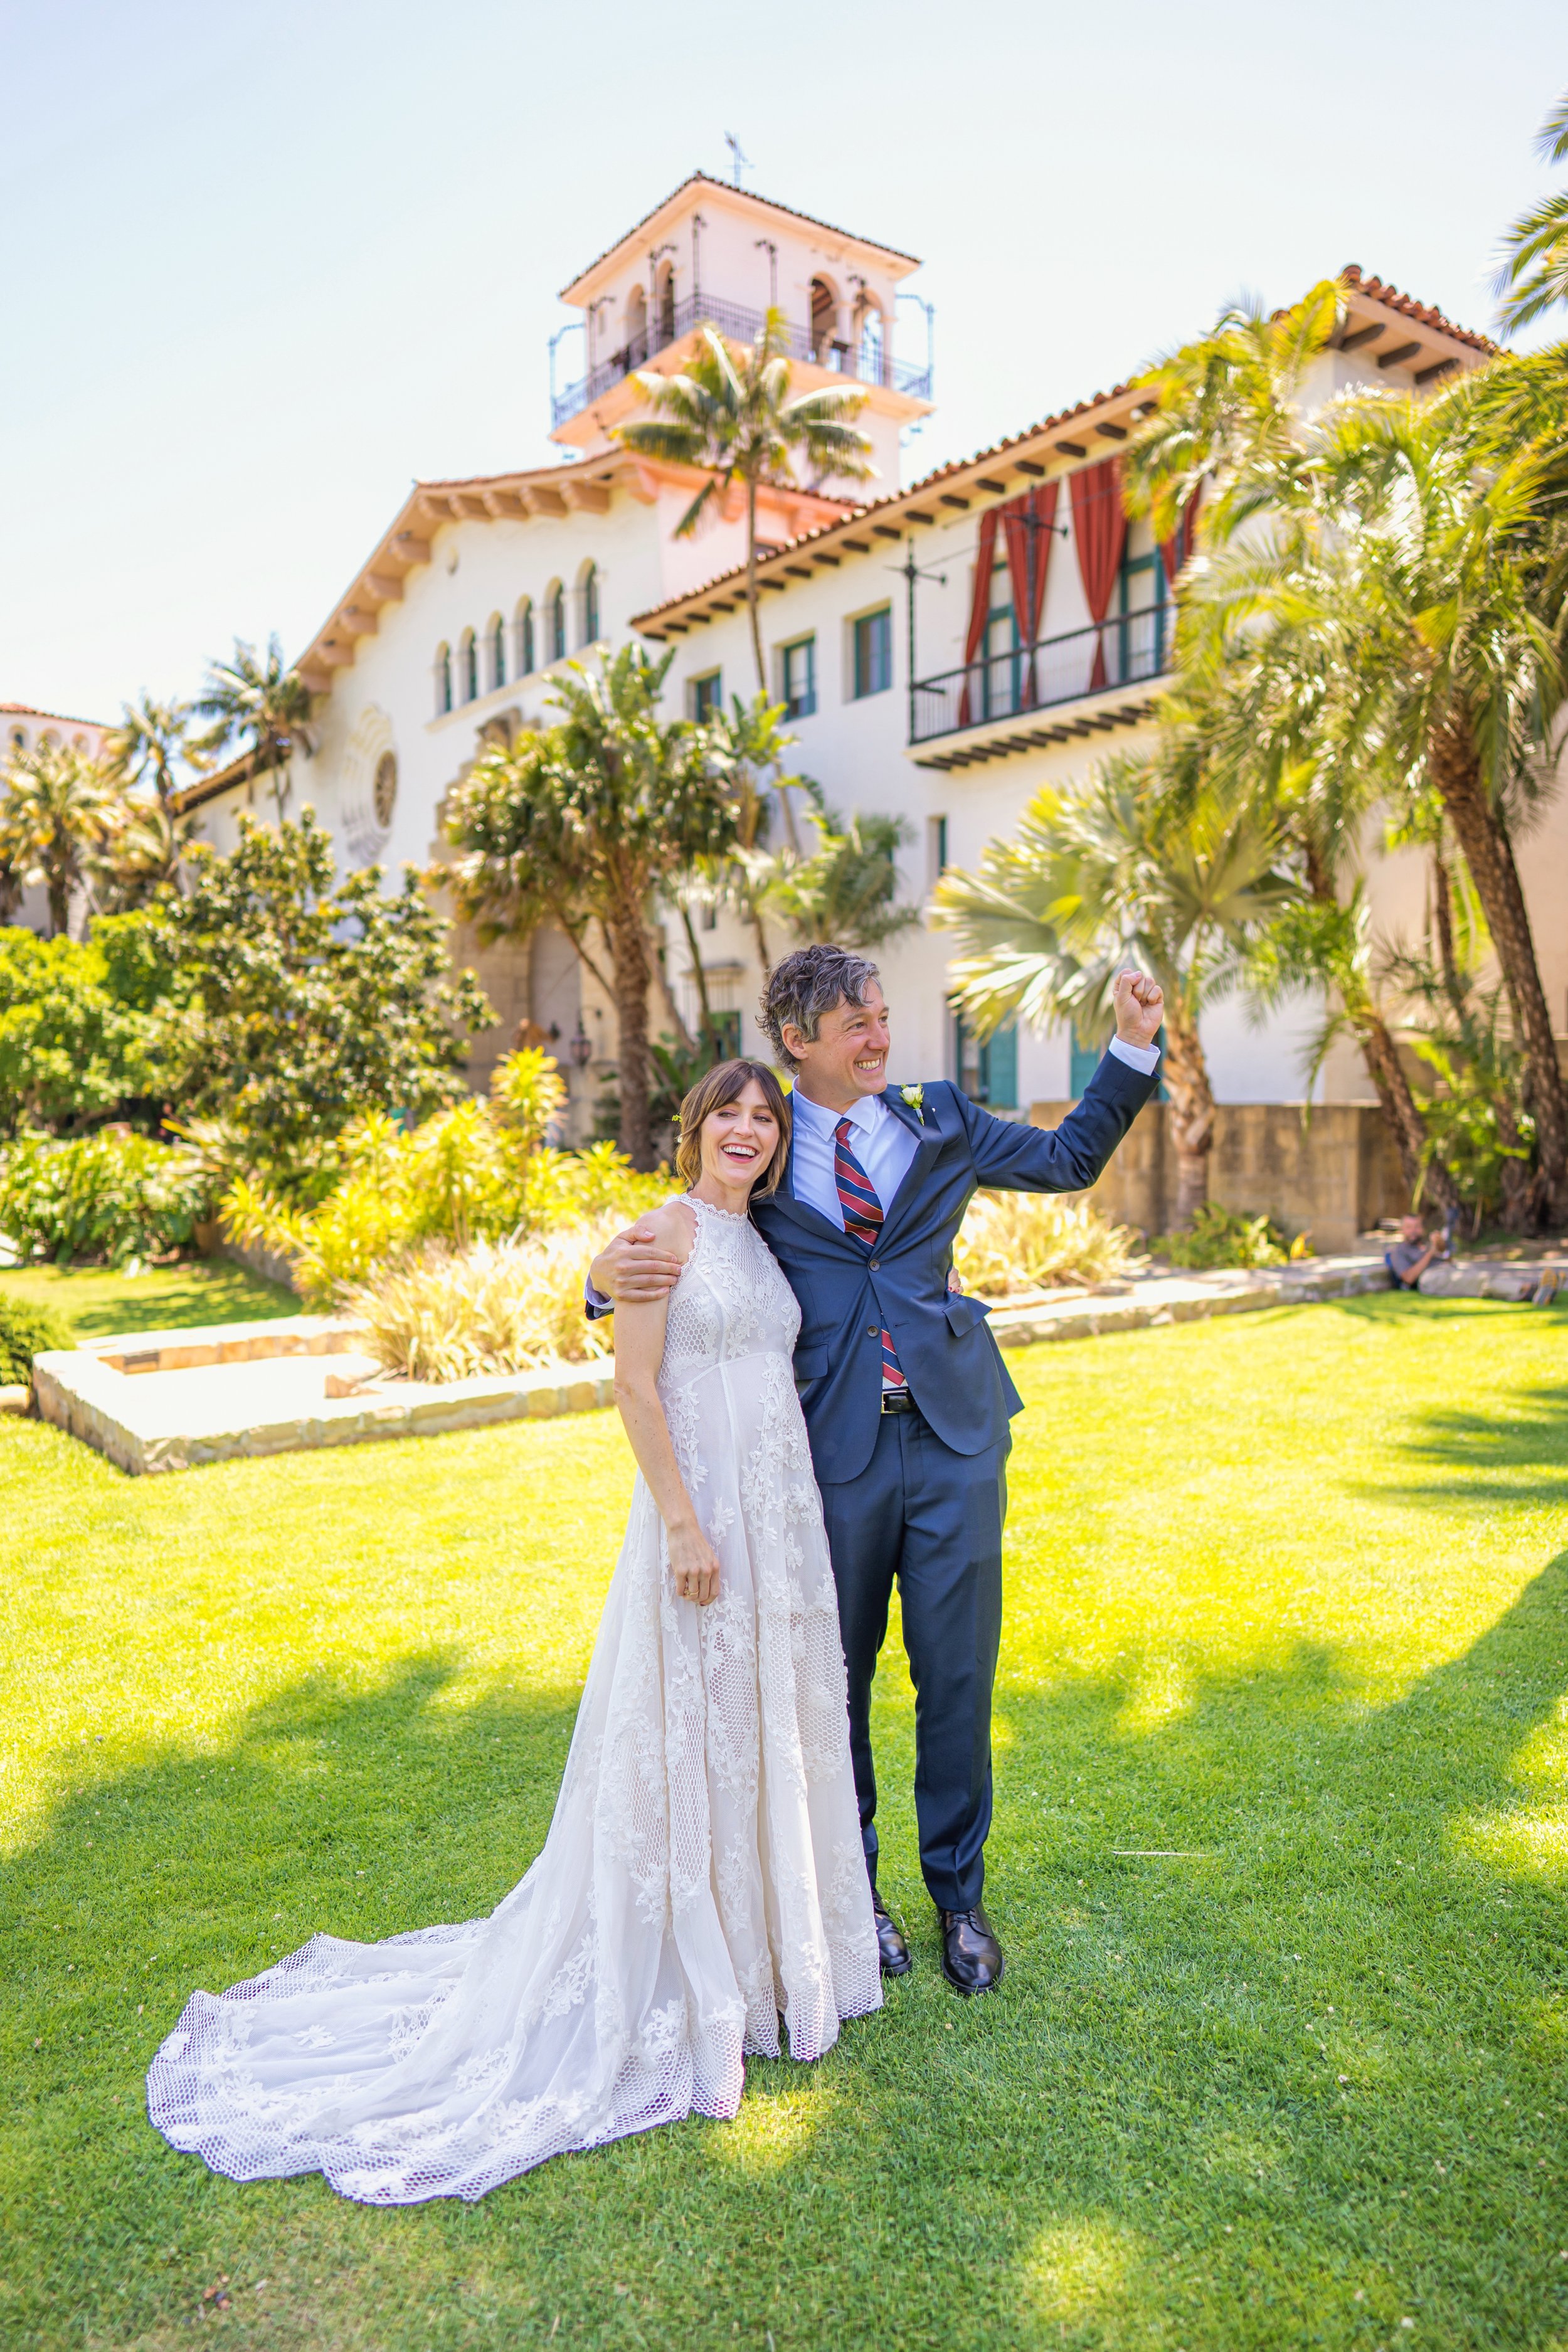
pixel 949 1360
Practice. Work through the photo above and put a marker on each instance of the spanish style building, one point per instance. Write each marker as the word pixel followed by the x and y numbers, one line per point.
pixel 944 649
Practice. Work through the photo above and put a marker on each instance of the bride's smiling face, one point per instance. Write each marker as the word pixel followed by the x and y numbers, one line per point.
pixel 739 1138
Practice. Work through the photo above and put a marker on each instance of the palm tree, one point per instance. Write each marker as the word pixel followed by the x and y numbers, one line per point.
pixel 1134 866
pixel 1408 602
pixel 1226 409
pixel 1532 274
pixel 57 815
pixel 729 412
pixel 846 893
pixel 260 703
pixel 143 749
pixel 581 822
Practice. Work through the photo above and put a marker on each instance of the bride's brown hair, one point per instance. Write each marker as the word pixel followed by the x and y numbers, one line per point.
pixel 724 1083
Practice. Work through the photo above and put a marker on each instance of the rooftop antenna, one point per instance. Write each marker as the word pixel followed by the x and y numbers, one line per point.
pixel 738 161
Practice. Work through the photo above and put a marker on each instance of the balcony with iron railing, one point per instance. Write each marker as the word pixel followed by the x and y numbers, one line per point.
pixel 872 363
pixel 1126 649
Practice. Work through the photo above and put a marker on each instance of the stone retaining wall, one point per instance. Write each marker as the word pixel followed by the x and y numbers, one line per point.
pixel 1334 1175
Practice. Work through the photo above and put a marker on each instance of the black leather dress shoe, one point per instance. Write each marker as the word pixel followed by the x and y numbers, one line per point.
pixel 970 1956
pixel 891 1948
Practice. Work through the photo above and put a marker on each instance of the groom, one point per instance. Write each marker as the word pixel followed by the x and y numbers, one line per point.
pixel 906 1398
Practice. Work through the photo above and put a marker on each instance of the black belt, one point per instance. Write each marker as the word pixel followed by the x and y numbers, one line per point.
pixel 898 1401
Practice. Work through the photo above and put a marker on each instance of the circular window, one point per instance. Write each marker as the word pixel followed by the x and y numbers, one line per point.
pixel 385 788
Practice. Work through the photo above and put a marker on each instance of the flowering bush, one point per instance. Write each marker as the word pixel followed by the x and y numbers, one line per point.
pixel 112 1196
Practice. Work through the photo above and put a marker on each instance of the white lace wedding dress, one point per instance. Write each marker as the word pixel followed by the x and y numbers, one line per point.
pixel 702 1876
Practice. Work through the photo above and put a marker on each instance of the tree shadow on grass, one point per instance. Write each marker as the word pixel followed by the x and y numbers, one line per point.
pixel 1475 1456
pixel 1143 2139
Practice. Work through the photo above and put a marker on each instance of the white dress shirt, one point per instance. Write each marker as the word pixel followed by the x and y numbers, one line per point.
pixel 880 1139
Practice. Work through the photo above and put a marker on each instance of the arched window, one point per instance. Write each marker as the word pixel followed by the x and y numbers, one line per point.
pixel 48 740
pixel 468 665
pixel 497 635
pixel 384 791
pixel 18 739
pixel 524 627
pixel 443 680
pixel 555 622
pixel 824 322
pixel 869 360
pixel 637 327
pixel 588 589
pixel 666 303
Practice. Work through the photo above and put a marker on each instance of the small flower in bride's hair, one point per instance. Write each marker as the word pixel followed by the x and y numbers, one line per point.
pixel 915 1097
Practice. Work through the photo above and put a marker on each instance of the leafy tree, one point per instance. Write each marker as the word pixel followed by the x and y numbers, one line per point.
pixel 1532 276
pixel 729 412
pixel 1123 868
pixel 80 1036
pixel 310 1001
pixel 57 816
pixel 260 703
pixel 581 823
pixel 847 891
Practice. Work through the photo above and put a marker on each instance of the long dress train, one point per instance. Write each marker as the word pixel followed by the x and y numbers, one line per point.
pixel 703 1876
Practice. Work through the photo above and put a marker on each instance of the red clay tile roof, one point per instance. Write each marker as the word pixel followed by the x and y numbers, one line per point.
pixel 1423 313
pixel 706 180
pixel 61 717
pixel 909 497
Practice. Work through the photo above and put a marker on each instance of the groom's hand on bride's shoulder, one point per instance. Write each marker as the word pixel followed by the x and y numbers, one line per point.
pixel 633 1269
pixel 1140 1004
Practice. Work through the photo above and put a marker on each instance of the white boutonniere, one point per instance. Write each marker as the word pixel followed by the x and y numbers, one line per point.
pixel 915 1096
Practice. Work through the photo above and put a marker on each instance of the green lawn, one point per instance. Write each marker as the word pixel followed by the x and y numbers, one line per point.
pixel 1287 1602
pixel 95 1301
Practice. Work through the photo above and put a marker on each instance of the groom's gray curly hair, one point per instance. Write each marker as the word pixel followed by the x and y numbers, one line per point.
pixel 804 986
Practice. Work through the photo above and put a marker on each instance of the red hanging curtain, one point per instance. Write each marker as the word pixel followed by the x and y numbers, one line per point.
pixel 1176 551
pixel 980 607
pixel 1029 523
pixel 1099 534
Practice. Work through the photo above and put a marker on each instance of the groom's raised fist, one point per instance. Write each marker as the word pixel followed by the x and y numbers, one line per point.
pixel 1140 1004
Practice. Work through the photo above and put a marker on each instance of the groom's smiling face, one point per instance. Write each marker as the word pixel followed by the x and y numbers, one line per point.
pixel 848 1056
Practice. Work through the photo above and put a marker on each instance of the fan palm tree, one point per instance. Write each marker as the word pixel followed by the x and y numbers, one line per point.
pixel 143 749
pixel 261 703
pixel 1134 866
pixel 58 816
pixel 729 412
pixel 848 892
pixel 1532 274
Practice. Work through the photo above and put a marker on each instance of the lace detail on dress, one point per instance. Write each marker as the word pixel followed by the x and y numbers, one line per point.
pixel 703 1876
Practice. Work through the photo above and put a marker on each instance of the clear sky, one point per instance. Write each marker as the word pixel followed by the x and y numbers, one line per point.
pixel 264 265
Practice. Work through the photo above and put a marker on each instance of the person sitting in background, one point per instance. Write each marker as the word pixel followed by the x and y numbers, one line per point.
pixel 1410 1256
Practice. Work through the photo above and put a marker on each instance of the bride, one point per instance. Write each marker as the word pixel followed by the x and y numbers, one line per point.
pixel 703 1875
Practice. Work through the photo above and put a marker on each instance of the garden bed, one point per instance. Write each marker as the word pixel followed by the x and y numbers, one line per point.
pixel 175 1400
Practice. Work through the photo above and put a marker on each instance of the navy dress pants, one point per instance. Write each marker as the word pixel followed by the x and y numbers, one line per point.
pixel 933 1519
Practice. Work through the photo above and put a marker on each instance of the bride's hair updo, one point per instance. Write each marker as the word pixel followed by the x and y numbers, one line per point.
pixel 724 1083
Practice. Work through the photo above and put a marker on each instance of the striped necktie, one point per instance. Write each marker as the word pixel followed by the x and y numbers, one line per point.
pixel 863 1222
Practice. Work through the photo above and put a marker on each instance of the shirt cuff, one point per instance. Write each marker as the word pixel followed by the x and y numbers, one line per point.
pixel 595 1303
pixel 1143 1058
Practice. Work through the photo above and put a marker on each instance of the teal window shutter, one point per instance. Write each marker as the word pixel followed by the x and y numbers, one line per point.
pixel 1002 1068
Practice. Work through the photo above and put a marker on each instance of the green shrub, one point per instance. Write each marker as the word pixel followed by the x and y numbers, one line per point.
pixel 1225 1237
pixel 1013 1242
pixel 444 1314
pixel 112 1196
pixel 72 1044
pixel 475 1173
pixel 27 1331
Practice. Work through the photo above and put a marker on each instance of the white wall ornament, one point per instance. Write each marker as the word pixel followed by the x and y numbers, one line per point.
pixel 369 774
